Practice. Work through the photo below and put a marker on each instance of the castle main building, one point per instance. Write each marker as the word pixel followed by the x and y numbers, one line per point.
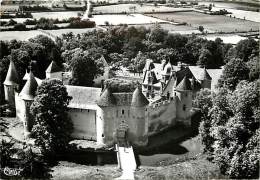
pixel 162 100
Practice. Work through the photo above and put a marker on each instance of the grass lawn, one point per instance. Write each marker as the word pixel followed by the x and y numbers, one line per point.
pixel 113 19
pixel 193 169
pixel 215 23
pixel 56 15
pixel 171 28
pixel 19 35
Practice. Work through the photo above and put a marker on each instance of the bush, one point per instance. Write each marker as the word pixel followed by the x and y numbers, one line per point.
pixel 30 22
pixel 120 85
pixel 11 22
pixel 36 8
pixel 77 23
pixel 20 27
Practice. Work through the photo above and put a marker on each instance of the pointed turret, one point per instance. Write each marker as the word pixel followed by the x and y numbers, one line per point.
pixel 184 85
pixel 29 89
pixel 54 71
pixel 12 75
pixel 53 67
pixel 138 99
pixel 204 75
pixel 106 98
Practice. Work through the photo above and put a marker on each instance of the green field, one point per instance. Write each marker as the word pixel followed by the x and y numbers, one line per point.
pixel 216 23
pixel 135 8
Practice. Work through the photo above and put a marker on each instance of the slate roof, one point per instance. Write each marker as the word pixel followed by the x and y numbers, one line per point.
pixel 26 76
pixel 123 99
pixel 149 65
pixel 29 89
pixel 204 75
pixel 184 85
pixel 150 73
pixel 82 97
pixel 12 77
pixel 53 67
pixel 106 98
pixel 138 99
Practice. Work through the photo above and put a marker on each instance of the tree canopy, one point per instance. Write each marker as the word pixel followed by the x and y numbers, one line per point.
pixel 52 126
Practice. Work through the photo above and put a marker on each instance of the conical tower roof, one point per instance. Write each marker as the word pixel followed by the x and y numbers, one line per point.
pixel 184 85
pixel 12 75
pixel 204 75
pixel 106 98
pixel 29 89
pixel 104 61
pixel 138 99
pixel 53 67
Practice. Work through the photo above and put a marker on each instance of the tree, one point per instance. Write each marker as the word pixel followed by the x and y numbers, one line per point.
pixel 210 7
pixel 254 68
pixel 84 69
pixel 139 62
pixel 205 58
pixel 203 101
pixel 201 28
pixel 19 27
pixel 235 137
pixel 245 48
pixel 46 42
pixel 33 165
pixel 157 34
pixel 52 126
pixel 234 71
pixel 176 41
pixel 231 132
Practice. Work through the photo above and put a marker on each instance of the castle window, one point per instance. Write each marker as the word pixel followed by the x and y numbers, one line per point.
pixel 184 107
pixel 123 111
pixel 103 135
pixel 186 94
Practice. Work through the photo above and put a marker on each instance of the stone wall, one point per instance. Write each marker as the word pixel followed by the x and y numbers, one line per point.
pixel 161 116
pixel 84 122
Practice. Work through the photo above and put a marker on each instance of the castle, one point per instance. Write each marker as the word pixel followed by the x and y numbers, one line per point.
pixel 163 99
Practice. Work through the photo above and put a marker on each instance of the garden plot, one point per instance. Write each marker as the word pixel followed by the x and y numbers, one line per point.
pixel 124 19
pixel 216 23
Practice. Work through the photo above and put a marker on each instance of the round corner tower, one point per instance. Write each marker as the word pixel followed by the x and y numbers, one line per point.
pixel 183 94
pixel 11 84
pixel 27 95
